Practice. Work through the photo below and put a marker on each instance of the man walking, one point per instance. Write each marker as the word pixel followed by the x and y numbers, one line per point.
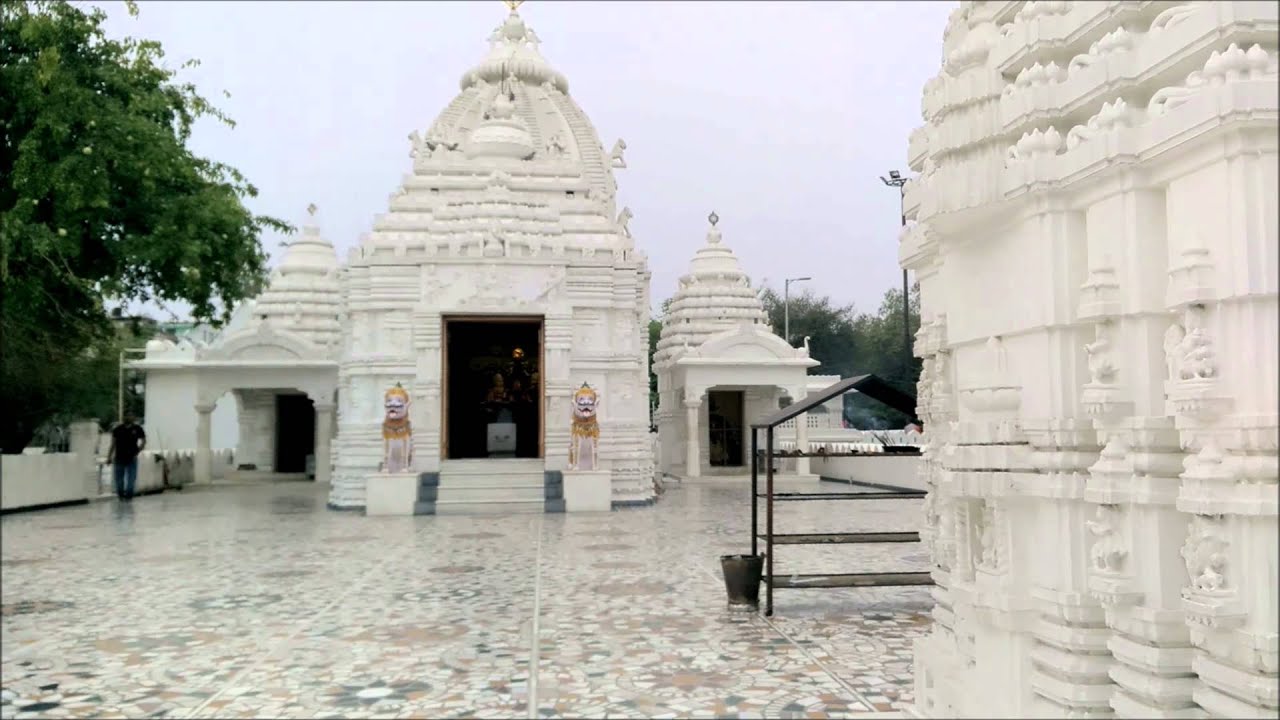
pixel 127 440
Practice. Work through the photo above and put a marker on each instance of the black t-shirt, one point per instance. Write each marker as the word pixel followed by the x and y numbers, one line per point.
pixel 127 438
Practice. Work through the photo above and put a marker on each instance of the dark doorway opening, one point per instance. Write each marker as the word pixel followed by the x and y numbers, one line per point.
pixel 493 390
pixel 725 411
pixel 295 432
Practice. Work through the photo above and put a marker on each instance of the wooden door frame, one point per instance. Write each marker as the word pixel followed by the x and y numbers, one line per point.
pixel 518 319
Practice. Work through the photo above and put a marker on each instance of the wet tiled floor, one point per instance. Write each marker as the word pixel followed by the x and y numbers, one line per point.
pixel 256 601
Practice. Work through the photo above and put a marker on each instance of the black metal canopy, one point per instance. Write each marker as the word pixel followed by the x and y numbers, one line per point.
pixel 869 385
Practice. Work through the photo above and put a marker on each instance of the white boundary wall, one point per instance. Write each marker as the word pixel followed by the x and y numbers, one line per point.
pixel 900 470
pixel 34 480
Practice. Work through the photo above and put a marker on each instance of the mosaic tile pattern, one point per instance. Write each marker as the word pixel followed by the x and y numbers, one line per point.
pixel 256 601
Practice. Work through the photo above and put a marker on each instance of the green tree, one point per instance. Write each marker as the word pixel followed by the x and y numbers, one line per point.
pixel 884 353
pixel 849 343
pixel 655 334
pixel 831 329
pixel 101 201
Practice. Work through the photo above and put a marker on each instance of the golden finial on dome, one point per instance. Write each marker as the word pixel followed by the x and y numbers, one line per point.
pixel 311 209
pixel 512 4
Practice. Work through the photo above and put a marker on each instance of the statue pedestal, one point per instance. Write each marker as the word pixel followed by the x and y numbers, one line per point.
pixel 391 493
pixel 588 491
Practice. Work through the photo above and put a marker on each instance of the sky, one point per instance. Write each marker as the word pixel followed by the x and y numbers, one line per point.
pixel 779 116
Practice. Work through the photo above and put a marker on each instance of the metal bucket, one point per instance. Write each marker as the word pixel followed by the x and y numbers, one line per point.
pixel 742 578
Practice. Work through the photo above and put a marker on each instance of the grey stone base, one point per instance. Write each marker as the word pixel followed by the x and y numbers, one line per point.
pixel 345 508
pixel 428 493
pixel 625 504
pixel 49 506
pixel 553 481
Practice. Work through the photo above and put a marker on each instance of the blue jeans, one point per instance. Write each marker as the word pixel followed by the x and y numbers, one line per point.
pixel 126 476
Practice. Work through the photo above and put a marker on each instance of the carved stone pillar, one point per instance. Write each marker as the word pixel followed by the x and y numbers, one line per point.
pixel 802 434
pixel 204 442
pixel 557 435
pixel 692 445
pixel 1069 659
pixel 557 377
pixel 426 408
pixel 1229 489
pixel 324 433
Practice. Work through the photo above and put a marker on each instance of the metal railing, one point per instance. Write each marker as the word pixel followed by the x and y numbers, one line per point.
pixel 876 389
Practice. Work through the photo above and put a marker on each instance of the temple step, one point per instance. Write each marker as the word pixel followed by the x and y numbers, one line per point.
pixel 457 493
pixel 447 507
pixel 504 482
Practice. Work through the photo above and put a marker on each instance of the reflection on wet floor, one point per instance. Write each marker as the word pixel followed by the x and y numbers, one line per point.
pixel 254 600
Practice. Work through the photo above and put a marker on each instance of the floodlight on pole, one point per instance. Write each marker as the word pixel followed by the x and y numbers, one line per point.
pixel 895 179
pixel 786 306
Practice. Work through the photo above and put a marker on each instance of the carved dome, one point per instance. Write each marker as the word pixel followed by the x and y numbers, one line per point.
pixel 303 294
pixel 714 297
pixel 501 134
pixel 514 99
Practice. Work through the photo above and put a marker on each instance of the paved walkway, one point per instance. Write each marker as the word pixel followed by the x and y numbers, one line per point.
pixel 256 601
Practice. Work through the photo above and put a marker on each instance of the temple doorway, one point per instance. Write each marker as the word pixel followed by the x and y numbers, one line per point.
pixel 295 433
pixel 493 394
pixel 725 416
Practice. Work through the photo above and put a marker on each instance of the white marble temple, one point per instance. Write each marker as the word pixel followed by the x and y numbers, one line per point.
pixel 509 210
pixel 1094 231
pixel 716 338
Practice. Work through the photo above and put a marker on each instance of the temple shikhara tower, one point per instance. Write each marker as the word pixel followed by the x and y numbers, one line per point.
pixel 1094 228
pixel 502 278
pixel 503 259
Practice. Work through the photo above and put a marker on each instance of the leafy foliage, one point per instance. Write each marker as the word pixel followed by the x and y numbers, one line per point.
pixel 833 338
pixel 849 343
pixel 101 201
pixel 655 333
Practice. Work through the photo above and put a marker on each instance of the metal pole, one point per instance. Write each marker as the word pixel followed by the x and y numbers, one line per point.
pixel 906 301
pixel 895 179
pixel 120 381
pixel 120 389
pixel 786 306
pixel 768 520
pixel 755 491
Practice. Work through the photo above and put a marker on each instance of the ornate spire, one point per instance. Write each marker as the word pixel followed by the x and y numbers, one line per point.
pixel 713 234
pixel 512 4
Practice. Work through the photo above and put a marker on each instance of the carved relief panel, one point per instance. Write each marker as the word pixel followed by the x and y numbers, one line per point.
pixel 591 333
pixel 493 286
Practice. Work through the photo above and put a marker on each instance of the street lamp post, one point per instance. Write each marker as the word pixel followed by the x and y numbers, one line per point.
pixel 895 179
pixel 120 380
pixel 786 306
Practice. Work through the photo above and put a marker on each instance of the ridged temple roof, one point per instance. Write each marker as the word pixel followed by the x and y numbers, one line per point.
pixel 516 81
pixel 303 295
pixel 715 296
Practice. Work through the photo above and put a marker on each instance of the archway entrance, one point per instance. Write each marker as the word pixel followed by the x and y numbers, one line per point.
pixel 493 387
